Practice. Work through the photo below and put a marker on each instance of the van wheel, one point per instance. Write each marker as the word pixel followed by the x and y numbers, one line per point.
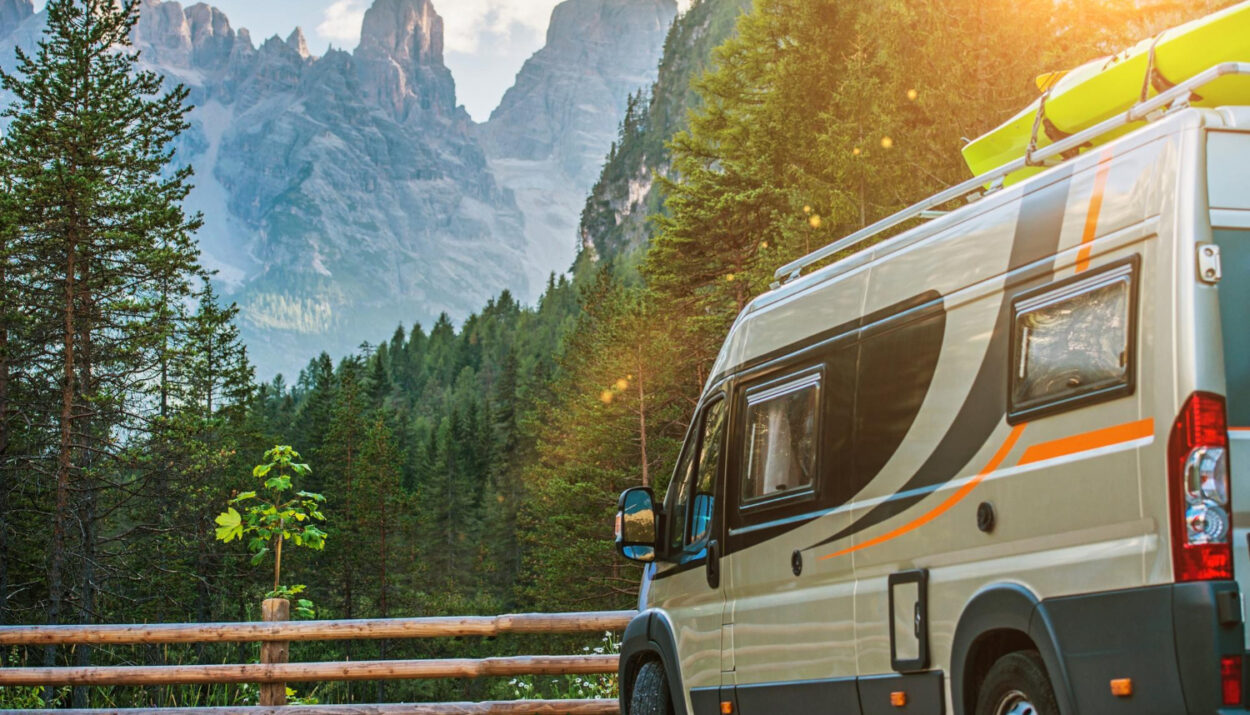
pixel 1017 685
pixel 650 695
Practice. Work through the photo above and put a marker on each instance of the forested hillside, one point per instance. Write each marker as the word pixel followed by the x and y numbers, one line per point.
pixel 470 468
pixel 614 223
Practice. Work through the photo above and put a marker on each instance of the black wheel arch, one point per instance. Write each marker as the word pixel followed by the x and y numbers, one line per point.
pixel 999 620
pixel 649 636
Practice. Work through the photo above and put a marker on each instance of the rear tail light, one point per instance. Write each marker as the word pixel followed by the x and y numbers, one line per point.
pixel 1201 501
pixel 1230 679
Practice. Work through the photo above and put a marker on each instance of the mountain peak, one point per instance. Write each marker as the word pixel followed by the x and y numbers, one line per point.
pixel 408 31
pixel 598 53
pixel 401 60
pixel 13 13
pixel 299 43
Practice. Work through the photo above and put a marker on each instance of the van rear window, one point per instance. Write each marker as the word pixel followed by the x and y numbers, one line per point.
pixel 1073 343
pixel 1234 291
pixel 780 445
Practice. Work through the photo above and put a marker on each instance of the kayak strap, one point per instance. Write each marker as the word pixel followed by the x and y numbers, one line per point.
pixel 1042 124
pixel 1038 119
pixel 1155 79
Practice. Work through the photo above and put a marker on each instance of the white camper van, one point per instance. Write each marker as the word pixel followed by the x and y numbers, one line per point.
pixel 987 466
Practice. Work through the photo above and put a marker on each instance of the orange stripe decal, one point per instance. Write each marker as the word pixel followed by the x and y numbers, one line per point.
pixel 1084 442
pixel 1239 429
pixel 1095 208
pixel 946 505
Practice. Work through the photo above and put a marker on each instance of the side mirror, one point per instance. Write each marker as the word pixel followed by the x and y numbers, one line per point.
pixel 636 525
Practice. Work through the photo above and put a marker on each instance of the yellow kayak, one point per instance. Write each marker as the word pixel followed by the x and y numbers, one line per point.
pixel 1101 89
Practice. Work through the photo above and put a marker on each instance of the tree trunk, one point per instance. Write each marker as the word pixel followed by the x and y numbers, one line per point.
pixel 349 565
pixel 86 609
pixel 92 437
pixel 64 462
pixel 642 418
pixel 6 468
pixel 382 646
pixel 277 561
pixel 8 309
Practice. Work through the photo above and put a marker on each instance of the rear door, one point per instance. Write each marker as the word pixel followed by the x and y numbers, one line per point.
pixel 1234 290
pixel 1228 186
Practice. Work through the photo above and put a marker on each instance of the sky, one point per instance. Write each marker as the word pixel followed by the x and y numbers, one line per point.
pixel 486 41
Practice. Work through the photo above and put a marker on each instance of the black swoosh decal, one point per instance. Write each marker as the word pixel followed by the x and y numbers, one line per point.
pixel 1036 238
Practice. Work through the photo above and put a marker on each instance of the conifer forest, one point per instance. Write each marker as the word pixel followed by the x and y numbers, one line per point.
pixel 470 467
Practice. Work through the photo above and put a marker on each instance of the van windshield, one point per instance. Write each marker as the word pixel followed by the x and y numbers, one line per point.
pixel 1235 320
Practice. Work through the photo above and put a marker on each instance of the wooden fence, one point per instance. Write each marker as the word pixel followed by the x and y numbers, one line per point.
pixel 273 672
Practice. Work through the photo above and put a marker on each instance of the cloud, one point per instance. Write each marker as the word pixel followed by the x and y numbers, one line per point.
pixel 469 22
pixel 342 21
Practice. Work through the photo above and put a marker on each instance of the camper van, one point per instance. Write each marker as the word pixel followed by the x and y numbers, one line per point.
pixel 997 463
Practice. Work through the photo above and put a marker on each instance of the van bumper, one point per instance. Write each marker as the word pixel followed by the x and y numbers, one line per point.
pixel 1168 639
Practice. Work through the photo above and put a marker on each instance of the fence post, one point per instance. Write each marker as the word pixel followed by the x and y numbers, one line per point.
pixel 274 609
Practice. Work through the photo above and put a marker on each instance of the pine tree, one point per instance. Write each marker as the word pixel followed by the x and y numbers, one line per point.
pixel 341 464
pixel 315 395
pixel 383 517
pixel 10 317
pixel 214 389
pixel 109 248
pixel 616 415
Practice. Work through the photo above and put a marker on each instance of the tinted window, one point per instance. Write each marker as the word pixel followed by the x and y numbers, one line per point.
pixel 1234 310
pixel 1073 341
pixel 709 465
pixel 780 442
pixel 895 369
pixel 681 502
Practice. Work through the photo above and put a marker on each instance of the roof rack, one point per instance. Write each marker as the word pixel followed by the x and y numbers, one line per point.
pixel 1033 157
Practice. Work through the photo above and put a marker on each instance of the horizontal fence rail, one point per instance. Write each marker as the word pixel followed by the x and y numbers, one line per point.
pixel 309 672
pixel 500 707
pixel 364 629
pixel 274 672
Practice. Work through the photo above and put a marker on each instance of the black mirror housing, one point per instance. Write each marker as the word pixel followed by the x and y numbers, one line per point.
pixel 637 525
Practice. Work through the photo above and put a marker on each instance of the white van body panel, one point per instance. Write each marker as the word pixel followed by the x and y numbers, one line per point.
pixel 1079 495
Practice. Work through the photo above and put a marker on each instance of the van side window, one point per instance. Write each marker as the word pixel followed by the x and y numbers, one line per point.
pixel 1234 297
pixel 682 479
pixel 780 442
pixel 1073 343
pixel 692 517
pixel 709 465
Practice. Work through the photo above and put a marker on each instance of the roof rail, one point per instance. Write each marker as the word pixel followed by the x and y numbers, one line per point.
pixel 924 209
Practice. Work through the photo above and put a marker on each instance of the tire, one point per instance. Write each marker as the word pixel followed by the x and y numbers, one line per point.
pixel 650 695
pixel 1017 685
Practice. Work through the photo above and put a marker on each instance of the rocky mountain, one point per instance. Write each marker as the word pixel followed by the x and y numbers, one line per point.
pixel 614 222
pixel 547 139
pixel 346 193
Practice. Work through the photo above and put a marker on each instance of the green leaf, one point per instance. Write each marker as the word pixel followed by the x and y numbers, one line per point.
pixel 280 483
pixel 243 497
pixel 259 556
pixel 261 470
pixel 229 526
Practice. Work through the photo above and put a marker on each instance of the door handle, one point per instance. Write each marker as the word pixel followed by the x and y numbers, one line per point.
pixel 713 563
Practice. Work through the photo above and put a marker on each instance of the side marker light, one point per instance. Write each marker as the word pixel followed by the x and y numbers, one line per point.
pixel 726 707
pixel 898 698
pixel 1122 687
pixel 1230 679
